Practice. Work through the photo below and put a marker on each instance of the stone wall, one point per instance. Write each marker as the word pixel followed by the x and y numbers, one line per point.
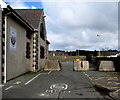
pixel 67 58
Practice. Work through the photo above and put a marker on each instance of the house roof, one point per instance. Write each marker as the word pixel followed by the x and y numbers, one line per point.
pixel 9 11
pixel 32 16
pixel 47 42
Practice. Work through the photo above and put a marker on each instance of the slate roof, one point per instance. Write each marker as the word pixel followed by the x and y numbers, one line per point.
pixel 47 42
pixel 32 16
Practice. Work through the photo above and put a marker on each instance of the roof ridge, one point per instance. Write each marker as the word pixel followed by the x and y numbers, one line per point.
pixel 32 16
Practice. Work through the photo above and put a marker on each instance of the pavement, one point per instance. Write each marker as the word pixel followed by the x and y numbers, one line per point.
pixel 62 84
pixel 107 82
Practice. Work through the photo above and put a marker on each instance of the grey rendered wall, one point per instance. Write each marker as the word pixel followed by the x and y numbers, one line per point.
pixel 16 63
pixel 47 51
pixel 41 62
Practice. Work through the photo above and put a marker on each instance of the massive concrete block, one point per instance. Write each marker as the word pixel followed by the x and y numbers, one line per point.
pixel 81 65
pixel 52 65
pixel 85 65
pixel 106 66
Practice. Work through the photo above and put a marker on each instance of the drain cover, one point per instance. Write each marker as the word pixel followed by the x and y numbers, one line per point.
pixel 59 86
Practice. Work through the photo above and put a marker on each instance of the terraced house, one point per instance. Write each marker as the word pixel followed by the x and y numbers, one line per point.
pixel 24 41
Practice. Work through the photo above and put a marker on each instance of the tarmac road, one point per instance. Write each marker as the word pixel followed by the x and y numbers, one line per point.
pixel 54 84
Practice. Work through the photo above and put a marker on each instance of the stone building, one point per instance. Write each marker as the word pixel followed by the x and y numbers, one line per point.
pixel 36 19
pixel 24 41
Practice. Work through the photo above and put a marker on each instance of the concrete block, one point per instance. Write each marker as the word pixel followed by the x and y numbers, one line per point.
pixel 106 66
pixel 81 65
pixel 52 65
pixel 85 65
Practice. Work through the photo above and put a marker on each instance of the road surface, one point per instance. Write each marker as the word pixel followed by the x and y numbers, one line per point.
pixel 53 84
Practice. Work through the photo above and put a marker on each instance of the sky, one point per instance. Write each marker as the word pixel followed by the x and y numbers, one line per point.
pixel 77 25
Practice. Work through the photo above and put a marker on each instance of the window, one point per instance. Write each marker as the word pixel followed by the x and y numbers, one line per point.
pixel 42 53
pixel 42 35
pixel 27 50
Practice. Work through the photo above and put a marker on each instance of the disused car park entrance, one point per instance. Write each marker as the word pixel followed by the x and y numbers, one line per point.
pixel 65 83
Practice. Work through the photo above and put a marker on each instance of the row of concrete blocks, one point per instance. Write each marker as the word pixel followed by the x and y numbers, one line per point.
pixel 80 65
pixel 103 66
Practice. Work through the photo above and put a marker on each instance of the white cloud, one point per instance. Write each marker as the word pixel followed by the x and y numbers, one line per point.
pixel 18 4
pixel 76 25
pixel 81 0
pixel 65 0
pixel 33 7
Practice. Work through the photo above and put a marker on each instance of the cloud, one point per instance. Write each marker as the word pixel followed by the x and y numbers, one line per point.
pixel 18 4
pixel 88 40
pixel 33 7
pixel 21 4
pixel 75 25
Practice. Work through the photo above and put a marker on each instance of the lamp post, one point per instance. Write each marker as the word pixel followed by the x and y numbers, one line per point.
pixel 78 47
pixel 99 39
pixel 77 51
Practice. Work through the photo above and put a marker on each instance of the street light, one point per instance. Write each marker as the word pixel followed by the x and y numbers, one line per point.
pixel 77 51
pixel 99 48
